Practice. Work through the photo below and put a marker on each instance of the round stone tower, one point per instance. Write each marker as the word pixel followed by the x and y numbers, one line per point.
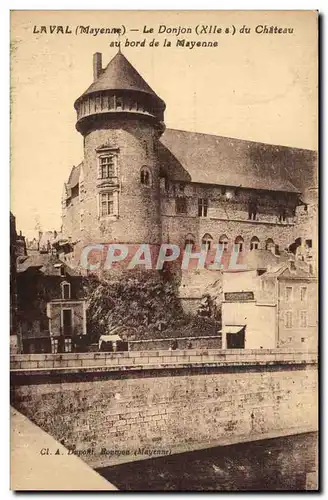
pixel 121 120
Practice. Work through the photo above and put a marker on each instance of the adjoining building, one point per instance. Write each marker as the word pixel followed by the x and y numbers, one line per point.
pixel 51 308
pixel 274 309
pixel 141 183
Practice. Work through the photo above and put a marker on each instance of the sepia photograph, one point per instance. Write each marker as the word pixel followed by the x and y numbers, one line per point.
pixel 164 251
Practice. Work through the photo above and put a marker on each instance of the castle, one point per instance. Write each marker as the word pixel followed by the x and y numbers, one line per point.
pixel 142 183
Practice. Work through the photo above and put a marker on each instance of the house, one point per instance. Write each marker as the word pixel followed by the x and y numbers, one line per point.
pixel 275 309
pixel 51 309
pixel 296 295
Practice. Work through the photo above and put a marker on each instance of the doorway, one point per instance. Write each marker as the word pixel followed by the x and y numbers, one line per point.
pixel 236 340
pixel 67 322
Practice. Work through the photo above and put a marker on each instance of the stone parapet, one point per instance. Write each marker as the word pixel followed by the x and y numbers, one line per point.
pixel 133 360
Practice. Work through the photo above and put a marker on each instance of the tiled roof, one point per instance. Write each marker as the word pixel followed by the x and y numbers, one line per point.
pixel 283 271
pixel 119 74
pixel 47 264
pixel 209 159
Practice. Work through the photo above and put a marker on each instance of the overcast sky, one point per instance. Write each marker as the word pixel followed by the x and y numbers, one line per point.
pixel 259 87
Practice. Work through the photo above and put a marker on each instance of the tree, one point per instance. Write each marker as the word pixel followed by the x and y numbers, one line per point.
pixel 143 304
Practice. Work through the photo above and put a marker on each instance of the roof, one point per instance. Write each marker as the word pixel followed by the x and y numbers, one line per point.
pixel 47 264
pixel 284 272
pixel 233 328
pixel 210 159
pixel 119 74
pixel 74 176
pixel 263 259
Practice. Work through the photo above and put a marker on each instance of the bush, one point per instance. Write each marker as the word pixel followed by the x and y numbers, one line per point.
pixel 143 304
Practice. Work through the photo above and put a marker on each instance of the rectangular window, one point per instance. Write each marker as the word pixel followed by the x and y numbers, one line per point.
pixel 202 207
pixel 67 345
pixel 288 319
pixel 106 204
pixel 289 293
pixel 181 205
pixel 106 167
pixel 282 214
pixel 308 243
pixel 303 293
pixel 66 291
pixel 54 346
pixel 303 319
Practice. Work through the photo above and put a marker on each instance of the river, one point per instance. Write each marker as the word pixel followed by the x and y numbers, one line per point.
pixel 284 464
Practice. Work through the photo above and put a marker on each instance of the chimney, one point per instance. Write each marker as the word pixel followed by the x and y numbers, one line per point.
pixel 97 65
pixel 292 264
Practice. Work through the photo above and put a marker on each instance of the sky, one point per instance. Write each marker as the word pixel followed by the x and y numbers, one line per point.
pixel 259 87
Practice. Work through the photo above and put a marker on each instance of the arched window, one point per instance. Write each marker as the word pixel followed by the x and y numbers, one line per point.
pixel 255 243
pixel 269 244
pixel 189 240
pixel 223 240
pixel 207 241
pixel 239 241
pixel 145 177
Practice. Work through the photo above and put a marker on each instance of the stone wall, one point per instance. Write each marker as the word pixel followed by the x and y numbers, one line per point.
pixel 165 401
pixel 209 342
pixel 175 228
pixel 138 217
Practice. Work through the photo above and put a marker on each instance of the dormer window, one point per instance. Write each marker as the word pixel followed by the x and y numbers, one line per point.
pixel 66 290
pixel 145 177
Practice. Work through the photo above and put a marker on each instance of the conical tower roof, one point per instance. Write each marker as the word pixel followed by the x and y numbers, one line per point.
pixel 119 74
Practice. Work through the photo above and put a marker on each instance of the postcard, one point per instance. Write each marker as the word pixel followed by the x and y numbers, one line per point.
pixel 164 250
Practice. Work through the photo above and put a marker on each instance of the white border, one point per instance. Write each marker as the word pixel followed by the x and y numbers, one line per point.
pixel 320 5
